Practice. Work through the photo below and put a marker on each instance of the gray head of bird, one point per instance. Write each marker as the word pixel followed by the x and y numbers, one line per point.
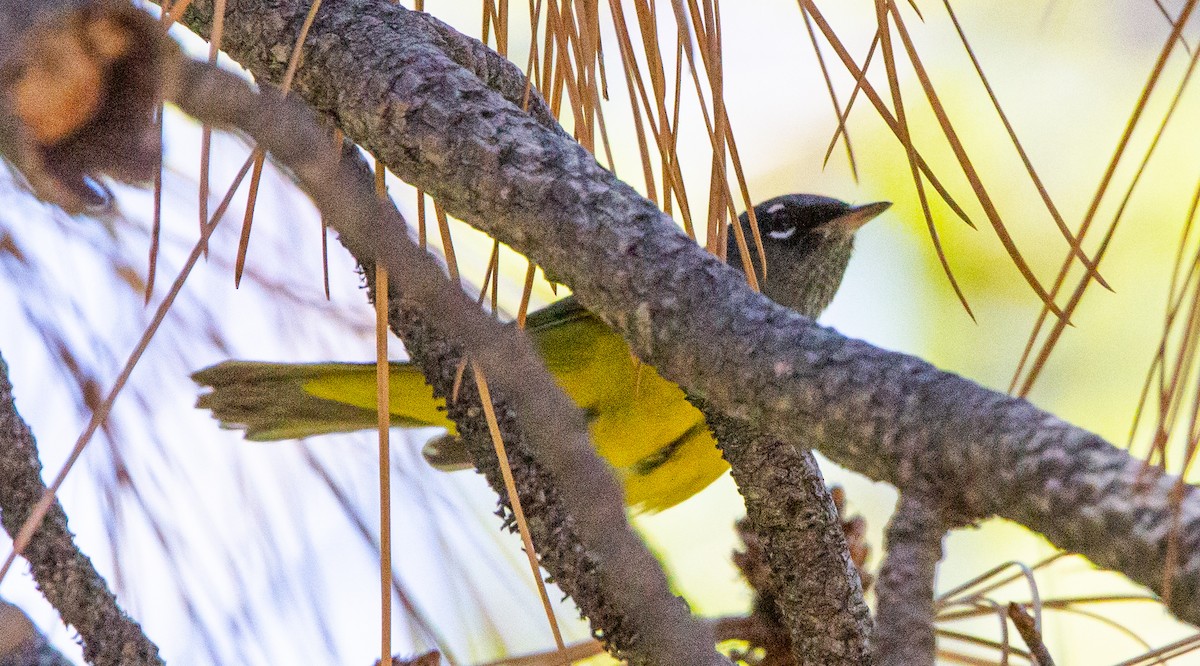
pixel 807 239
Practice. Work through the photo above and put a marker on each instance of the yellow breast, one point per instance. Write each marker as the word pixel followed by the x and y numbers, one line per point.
pixel 641 423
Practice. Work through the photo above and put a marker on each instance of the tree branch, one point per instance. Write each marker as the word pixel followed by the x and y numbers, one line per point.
pixel 1028 629
pixel 63 574
pixel 817 585
pixel 904 621
pixel 665 633
pixel 555 536
pixel 814 581
pixel 635 614
pixel 378 70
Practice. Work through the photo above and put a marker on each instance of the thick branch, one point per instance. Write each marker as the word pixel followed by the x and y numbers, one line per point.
pixel 815 583
pixel 378 70
pixel 554 425
pixel 64 575
pixel 553 530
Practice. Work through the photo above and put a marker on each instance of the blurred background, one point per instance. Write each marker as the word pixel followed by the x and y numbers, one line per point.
pixel 236 552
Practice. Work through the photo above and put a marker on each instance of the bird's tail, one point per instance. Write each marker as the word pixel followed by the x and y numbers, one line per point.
pixel 290 400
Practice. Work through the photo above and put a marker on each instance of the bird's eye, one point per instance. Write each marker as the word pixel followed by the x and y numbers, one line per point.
pixel 782 234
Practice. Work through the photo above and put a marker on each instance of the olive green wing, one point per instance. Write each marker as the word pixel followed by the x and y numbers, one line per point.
pixel 559 313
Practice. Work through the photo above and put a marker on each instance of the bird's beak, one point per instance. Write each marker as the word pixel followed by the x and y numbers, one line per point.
pixel 857 216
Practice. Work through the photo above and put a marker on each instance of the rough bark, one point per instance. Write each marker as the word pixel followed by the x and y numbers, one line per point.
pixel 379 72
pixel 904 633
pixel 63 574
pixel 659 628
pixel 815 583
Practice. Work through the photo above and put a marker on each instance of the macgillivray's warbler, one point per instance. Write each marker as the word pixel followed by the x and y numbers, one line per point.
pixel 642 425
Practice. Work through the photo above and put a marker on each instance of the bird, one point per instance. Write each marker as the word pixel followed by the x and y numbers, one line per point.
pixel 642 424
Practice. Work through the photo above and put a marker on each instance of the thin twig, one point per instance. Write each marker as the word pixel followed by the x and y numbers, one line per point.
pixel 1030 634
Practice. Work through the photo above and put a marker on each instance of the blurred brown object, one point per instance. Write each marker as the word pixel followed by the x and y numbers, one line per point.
pixel 21 644
pixel 80 84
pixel 855 529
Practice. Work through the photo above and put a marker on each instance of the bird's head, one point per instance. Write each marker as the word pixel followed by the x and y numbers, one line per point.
pixel 807 240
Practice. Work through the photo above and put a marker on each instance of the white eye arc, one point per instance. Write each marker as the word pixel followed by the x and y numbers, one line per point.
pixel 775 209
pixel 782 234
